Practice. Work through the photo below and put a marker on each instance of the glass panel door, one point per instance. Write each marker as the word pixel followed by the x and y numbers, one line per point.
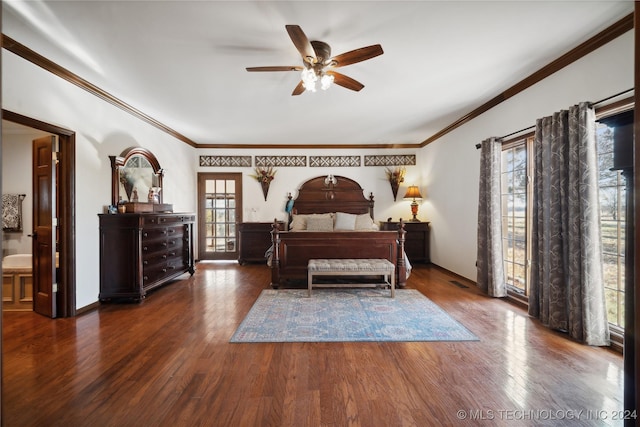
pixel 220 210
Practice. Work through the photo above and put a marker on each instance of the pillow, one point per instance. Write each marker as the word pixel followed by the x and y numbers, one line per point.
pixel 364 222
pixel 320 223
pixel 299 221
pixel 345 221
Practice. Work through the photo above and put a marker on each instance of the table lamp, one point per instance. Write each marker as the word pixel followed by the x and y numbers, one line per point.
pixel 413 192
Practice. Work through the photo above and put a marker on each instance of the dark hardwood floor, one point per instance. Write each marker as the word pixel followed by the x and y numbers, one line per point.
pixel 168 362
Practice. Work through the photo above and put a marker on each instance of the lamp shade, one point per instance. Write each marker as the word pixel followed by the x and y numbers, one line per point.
pixel 413 192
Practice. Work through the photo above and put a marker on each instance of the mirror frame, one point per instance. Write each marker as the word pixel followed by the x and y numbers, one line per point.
pixel 118 162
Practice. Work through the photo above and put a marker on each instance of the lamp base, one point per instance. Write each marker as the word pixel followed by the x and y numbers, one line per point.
pixel 414 211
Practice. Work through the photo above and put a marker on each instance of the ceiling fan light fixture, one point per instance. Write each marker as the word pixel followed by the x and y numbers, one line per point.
pixel 309 79
pixel 325 81
pixel 311 76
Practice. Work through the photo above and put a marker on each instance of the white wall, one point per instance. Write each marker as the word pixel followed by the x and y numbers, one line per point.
pixel 101 130
pixel 450 165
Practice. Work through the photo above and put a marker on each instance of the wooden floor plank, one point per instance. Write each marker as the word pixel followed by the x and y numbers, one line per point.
pixel 168 361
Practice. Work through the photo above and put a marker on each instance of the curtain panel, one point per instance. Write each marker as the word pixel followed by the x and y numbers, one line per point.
pixel 567 289
pixel 491 277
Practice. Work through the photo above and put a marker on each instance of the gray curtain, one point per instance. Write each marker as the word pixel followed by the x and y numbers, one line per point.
pixel 567 290
pixel 491 278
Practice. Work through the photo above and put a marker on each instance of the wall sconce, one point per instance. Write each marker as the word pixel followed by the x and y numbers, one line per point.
pixel 413 192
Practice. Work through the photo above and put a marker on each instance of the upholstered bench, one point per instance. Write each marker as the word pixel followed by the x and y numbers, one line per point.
pixel 351 267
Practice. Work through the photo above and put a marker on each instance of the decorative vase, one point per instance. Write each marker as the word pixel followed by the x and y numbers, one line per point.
pixel 265 188
pixel 394 189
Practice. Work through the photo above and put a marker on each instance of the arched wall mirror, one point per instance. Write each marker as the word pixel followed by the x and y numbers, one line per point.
pixel 136 177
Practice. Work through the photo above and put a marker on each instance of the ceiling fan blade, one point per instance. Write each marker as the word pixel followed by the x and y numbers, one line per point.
pixel 357 55
pixel 299 89
pixel 301 42
pixel 276 68
pixel 345 81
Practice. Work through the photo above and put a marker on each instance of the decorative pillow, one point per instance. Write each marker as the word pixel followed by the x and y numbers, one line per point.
pixel 319 223
pixel 345 221
pixel 364 222
pixel 298 223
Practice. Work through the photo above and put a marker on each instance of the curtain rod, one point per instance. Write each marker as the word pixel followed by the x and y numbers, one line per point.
pixel 593 104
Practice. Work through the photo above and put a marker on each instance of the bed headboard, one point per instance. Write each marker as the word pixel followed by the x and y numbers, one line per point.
pixel 332 193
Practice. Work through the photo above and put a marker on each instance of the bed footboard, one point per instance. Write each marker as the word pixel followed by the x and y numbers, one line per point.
pixel 293 250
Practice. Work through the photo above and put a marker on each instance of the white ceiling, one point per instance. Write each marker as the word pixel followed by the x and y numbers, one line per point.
pixel 183 62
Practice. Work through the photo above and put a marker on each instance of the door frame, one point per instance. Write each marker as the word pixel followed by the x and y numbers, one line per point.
pixel 66 295
pixel 202 177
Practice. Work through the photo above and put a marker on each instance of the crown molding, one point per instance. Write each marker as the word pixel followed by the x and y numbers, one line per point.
pixel 605 36
pixel 35 58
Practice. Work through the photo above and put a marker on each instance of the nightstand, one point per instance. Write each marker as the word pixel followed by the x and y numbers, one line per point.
pixel 254 238
pixel 416 243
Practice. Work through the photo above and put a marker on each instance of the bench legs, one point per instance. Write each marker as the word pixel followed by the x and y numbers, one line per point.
pixel 389 278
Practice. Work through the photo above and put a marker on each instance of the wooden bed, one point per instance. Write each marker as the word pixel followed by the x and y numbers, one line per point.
pixel 292 250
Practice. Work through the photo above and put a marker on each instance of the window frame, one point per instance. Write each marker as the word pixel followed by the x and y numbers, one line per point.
pixel 525 140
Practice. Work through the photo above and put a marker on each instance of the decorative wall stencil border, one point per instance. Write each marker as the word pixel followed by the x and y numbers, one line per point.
pixel 282 161
pixel 221 161
pixel 345 161
pixel 390 160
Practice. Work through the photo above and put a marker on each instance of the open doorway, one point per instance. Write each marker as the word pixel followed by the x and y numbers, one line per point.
pixel 64 304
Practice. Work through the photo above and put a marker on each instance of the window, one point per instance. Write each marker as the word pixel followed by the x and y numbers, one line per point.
pixel 516 207
pixel 517 166
pixel 613 222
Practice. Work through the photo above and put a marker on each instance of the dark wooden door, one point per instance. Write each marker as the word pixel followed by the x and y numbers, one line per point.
pixel 44 235
pixel 219 213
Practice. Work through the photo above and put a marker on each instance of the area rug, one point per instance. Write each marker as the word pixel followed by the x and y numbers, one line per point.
pixel 344 315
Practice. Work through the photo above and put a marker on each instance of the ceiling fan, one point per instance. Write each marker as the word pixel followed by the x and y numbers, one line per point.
pixel 317 63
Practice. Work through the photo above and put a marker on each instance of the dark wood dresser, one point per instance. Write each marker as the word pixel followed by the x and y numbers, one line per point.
pixel 141 251
pixel 416 243
pixel 254 238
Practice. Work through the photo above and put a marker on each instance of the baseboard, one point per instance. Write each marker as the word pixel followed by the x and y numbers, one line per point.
pixel 456 275
pixel 88 308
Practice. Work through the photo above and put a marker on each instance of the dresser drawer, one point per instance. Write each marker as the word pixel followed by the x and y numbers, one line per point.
pixel 167 219
pixel 149 234
pixel 159 271
pixel 176 263
pixel 154 274
pixel 153 246
pixel 154 259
